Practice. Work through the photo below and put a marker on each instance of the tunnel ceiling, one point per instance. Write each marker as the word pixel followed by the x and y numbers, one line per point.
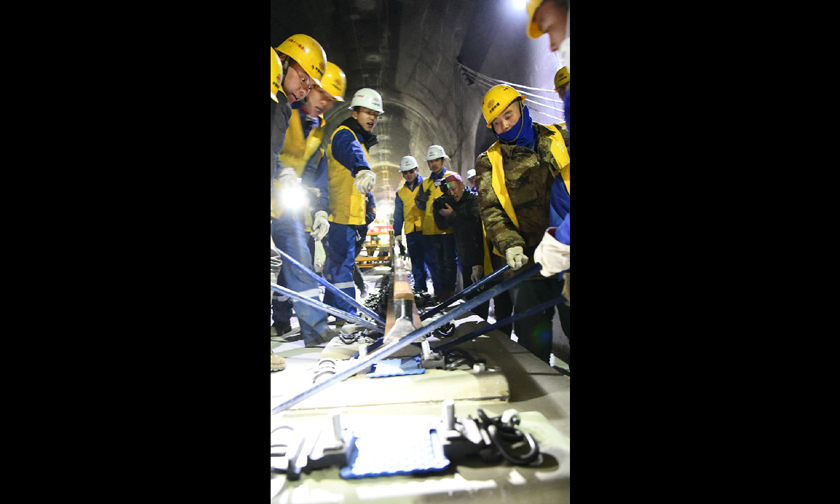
pixel 409 51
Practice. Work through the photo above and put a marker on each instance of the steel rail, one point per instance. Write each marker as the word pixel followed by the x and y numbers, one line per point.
pixel 388 349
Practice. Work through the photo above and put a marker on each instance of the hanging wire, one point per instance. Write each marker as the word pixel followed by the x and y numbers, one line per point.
pixel 528 92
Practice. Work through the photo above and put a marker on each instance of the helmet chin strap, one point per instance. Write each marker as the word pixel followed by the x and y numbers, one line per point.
pixel 286 62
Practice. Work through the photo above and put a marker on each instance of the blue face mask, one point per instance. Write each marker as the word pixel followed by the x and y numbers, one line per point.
pixel 522 132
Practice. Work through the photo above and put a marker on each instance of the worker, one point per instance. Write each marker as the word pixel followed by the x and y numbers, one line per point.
pixel 278 362
pixel 562 81
pixel 303 179
pixel 554 17
pixel 408 219
pixel 440 241
pixel 302 64
pixel 471 180
pixel 296 64
pixel 553 252
pixel 350 178
pixel 514 178
pixel 458 209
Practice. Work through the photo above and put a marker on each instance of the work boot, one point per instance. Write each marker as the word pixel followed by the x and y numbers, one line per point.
pixel 281 327
pixel 421 298
pixel 278 363
pixel 443 296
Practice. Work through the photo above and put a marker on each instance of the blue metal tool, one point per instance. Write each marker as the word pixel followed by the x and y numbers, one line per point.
pixel 501 323
pixel 332 288
pixel 327 308
pixel 389 348
pixel 472 288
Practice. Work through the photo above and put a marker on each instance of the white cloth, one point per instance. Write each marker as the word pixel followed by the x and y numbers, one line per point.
pixel 320 226
pixel 552 254
pixel 320 256
pixel 365 180
pixel 516 257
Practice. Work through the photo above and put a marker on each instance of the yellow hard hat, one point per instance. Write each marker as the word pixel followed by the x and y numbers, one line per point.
pixel 276 75
pixel 496 100
pixel 309 53
pixel 560 78
pixel 334 81
pixel 533 30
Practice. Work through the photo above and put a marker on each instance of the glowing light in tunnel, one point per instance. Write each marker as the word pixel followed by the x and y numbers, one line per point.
pixel 519 4
pixel 384 209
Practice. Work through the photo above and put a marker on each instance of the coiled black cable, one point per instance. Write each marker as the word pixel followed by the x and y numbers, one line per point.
pixel 500 432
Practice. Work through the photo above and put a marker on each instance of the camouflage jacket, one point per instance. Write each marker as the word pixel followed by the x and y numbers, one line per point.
pixel 529 176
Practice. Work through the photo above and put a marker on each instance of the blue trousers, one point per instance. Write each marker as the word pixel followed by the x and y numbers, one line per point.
pixel 443 262
pixel 290 237
pixel 338 266
pixel 418 252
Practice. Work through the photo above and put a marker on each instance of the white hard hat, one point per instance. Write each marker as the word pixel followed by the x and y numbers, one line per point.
pixel 435 152
pixel 470 174
pixel 367 97
pixel 408 163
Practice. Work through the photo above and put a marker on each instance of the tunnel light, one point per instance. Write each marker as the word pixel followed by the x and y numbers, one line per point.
pixel 519 4
pixel 385 209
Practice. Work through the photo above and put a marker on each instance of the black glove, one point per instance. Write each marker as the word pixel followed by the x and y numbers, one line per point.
pixel 422 196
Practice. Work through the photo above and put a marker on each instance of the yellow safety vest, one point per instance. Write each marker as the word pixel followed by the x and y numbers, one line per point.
pixel 429 226
pixel 347 205
pixel 412 216
pixel 297 150
pixel 494 154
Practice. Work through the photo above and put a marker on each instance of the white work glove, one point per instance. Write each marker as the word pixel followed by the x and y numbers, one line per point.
pixel 320 256
pixel 320 226
pixel 553 255
pixel 287 176
pixel 516 257
pixel 364 181
pixel 477 273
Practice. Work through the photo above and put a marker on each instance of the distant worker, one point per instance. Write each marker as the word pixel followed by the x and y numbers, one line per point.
pixel 471 180
pixel 441 241
pixel 408 219
pixel 458 209
pixel 350 179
